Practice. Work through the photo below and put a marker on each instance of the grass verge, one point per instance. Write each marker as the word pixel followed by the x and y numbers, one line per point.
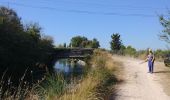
pixel 99 82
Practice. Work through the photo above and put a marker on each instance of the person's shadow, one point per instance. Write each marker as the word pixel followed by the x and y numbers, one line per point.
pixel 162 72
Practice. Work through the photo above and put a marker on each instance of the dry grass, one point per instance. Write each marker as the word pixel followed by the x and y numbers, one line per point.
pixel 82 91
pixel 99 83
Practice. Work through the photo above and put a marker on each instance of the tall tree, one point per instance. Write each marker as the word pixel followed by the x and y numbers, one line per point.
pixel 165 22
pixel 116 42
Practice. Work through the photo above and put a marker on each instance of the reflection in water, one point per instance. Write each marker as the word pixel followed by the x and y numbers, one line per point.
pixel 69 66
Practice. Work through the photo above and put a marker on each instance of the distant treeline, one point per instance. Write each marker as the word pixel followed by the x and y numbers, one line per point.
pixel 142 54
pixel 81 42
pixel 117 47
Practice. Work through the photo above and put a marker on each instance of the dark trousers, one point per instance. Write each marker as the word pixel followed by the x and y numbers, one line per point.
pixel 151 66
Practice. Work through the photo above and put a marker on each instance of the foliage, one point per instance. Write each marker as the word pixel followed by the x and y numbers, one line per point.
pixel 46 88
pixel 142 54
pixel 83 42
pixel 78 41
pixel 54 85
pixel 165 22
pixel 161 54
pixel 122 50
pixel 95 43
pixel 130 51
pixel 22 46
pixel 116 42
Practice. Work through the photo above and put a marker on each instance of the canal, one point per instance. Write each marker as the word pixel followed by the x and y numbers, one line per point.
pixel 69 67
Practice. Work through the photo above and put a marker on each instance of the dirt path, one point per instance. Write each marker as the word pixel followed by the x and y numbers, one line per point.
pixel 139 85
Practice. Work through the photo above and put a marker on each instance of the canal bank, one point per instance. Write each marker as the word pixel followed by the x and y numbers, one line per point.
pixel 96 81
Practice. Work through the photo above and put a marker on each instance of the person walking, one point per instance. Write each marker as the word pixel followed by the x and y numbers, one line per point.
pixel 150 60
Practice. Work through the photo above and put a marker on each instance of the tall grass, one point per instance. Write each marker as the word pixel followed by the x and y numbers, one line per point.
pixel 10 91
pixel 45 89
pixel 53 85
pixel 98 84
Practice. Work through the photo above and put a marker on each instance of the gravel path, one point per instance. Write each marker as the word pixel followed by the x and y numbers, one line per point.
pixel 137 83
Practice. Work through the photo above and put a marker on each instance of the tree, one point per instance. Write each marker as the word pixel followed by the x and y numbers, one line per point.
pixel 78 41
pixel 9 18
pixel 116 42
pixel 22 46
pixel 95 43
pixel 165 22
pixel 34 30
pixel 122 50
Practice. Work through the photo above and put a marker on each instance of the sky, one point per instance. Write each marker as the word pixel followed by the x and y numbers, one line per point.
pixel 137 21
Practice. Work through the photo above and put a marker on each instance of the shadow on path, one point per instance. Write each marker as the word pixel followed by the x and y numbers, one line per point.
pixel 114 94
pixel 157 72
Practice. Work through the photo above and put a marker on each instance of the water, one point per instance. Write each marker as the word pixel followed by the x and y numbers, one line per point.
pixel 69 66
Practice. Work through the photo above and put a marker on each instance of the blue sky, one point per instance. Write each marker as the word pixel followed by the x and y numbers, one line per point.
pixel 136 20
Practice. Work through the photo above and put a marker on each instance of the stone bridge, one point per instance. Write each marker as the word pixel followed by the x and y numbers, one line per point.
pixel 77 53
